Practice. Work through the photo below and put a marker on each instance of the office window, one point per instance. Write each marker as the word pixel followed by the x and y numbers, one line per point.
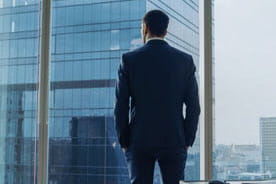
pixel 245 123
pixel 89 38
pixel 18 91
pixel 88 46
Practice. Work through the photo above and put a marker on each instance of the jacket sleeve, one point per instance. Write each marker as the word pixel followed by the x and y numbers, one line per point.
pixel 191 100
pixel 121 111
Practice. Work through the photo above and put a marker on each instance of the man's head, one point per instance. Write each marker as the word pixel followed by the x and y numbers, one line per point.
pixel 154 24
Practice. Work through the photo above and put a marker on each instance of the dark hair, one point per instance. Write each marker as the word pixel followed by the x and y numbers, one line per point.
pixel 157 21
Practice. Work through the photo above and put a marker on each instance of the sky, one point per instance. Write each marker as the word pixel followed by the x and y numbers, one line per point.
pixel 245 68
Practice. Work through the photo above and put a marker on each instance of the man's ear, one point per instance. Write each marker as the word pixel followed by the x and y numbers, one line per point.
pixel 146 29
pixel 166 32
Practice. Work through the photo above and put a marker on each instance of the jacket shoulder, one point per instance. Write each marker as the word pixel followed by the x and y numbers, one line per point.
pixel 181 53
pixel 183 58
pixel 135 52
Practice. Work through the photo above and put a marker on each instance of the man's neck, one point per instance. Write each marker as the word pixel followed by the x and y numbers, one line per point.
pixel 154 38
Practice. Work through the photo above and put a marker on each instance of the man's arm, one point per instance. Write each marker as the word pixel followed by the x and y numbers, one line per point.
pixel 191 100
pixel 121 110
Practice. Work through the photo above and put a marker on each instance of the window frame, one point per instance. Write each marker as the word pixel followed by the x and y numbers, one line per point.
pixel 43 91
pixel 206 89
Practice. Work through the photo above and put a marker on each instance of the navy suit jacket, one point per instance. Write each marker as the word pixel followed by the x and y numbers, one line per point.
pixel 154 81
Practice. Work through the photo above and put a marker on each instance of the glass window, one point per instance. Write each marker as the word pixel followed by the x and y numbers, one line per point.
pixel 18 92
pixel 245 101
pixel 89 39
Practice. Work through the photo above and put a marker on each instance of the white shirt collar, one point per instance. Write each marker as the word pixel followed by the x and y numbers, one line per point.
pixel 154 38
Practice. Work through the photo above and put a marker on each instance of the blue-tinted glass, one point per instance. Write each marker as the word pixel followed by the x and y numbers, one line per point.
pixel 18 91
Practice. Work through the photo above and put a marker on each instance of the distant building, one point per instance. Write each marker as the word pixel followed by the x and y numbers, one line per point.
pixel 268 144
pixel 237 162
pixel 80 158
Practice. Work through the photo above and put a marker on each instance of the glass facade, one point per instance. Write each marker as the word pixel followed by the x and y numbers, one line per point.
pixel 19 32
pixel 88 39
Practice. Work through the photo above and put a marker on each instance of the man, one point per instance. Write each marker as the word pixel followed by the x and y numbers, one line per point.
pixel 158 79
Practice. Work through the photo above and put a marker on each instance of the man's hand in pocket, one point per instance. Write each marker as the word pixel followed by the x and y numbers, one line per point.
pixel 124 149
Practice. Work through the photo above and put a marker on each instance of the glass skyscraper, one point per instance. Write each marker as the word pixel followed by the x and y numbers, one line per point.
pixel 88 38
pixel 19 32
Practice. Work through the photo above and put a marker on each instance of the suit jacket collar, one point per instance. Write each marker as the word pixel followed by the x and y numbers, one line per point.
pixel 156 42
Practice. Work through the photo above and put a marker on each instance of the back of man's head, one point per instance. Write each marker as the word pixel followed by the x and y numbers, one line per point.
pixel 157 22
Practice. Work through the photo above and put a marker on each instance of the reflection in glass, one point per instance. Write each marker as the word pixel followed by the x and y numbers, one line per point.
pixel 18 91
